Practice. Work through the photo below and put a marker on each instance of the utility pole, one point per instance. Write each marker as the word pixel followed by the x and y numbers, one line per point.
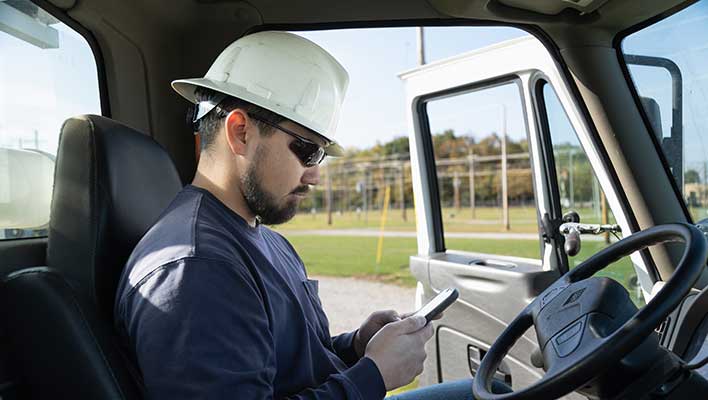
pixel 505 186
pixel 401 189
pixel 329 194
pixel 471 173
pixel 365 193
pixel 421 46
pixel 345 187
pixel 456 190
pixel 341 187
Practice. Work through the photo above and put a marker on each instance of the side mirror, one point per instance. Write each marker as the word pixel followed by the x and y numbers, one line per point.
pixel 571 228
pixel 651 107
pixel 26 181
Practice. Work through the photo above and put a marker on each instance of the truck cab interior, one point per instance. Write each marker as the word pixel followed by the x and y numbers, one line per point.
pixel 576 335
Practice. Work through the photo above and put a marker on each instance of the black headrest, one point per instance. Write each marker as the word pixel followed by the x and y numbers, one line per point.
pixel 111 183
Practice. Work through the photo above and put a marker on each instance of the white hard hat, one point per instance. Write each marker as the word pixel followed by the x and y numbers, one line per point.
pixel 281 72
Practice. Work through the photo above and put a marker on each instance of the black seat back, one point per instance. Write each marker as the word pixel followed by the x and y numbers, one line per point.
pixel 111 184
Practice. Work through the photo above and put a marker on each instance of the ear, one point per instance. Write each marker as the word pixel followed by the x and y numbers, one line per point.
pixel 235 128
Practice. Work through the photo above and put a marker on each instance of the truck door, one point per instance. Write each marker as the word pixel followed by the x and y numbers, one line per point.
pixel 488 206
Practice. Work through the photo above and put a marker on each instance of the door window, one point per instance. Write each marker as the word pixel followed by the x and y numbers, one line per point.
pixel 47 74
pixel 484 176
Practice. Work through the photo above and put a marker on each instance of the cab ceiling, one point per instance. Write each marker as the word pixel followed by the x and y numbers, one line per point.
pixel 198 16
pixel 207 26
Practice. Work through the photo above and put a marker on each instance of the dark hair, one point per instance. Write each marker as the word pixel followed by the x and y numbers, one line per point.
pixel 209 125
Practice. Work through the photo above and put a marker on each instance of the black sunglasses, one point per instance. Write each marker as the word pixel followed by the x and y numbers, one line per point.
pixel 308 152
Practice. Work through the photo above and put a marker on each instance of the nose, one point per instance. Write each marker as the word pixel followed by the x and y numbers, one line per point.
pixel 311 176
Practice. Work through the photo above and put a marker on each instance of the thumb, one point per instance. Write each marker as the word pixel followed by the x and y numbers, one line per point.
pixel 384 317
pixel 409 325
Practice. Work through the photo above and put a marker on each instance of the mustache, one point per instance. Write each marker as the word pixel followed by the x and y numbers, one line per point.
pixel 301 190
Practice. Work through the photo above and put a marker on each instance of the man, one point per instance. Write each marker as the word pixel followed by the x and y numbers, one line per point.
pixel 215 305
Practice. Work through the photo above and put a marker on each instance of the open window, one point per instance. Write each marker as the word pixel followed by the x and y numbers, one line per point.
pixel 34 102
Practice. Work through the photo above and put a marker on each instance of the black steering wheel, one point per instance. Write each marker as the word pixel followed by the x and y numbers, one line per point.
pixel 577 324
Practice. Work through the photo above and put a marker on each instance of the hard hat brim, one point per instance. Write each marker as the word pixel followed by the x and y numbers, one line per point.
pixel 187 87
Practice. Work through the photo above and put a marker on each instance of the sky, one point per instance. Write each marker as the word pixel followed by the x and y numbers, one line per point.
pixel 39 88
pixel 374 108
pixel 44 88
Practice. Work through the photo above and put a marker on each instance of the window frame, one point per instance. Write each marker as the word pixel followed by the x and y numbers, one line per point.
pixel 429 151
pixel 544 129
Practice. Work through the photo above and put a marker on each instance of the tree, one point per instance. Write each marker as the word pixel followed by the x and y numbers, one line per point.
pixel 692 176
pixel 398 145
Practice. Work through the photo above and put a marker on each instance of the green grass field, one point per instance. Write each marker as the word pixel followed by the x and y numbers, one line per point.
pixel 485 219
pixel 356 256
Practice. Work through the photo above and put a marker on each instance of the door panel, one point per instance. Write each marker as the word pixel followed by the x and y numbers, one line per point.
pixel 490 296
pixel 473 166
pixel 482 285
pixel 484 183
pixel 456 364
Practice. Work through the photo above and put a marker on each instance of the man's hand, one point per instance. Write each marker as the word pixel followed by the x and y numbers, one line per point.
pixel 373 324
pixel 398 350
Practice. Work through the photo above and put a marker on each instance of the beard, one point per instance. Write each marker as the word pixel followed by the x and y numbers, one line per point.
pixel 263 204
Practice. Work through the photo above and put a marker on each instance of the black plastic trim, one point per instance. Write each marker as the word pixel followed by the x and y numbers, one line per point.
pixel 431 173
pixel 549 164
pixel 532 167
pixel 407 23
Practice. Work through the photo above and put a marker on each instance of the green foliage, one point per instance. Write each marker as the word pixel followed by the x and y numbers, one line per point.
pixel 370 170
pixel 692 176
pixel 446 145
pixel 399 145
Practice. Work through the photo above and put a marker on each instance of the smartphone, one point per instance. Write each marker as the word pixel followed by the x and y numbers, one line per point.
pixel 439 303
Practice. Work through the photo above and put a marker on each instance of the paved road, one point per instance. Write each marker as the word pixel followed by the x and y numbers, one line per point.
pixel 348 301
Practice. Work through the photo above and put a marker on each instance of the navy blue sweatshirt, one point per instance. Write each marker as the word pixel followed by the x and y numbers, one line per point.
pixel 211 307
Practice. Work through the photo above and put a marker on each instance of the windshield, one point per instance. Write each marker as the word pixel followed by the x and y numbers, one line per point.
pixel 667 63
